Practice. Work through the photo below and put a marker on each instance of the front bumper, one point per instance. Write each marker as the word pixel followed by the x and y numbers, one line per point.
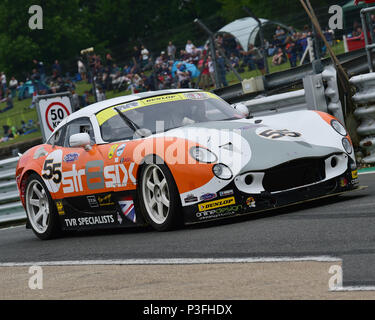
pixel 232 202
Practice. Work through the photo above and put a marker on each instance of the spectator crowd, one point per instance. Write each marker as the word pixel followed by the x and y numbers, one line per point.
pixel 171 68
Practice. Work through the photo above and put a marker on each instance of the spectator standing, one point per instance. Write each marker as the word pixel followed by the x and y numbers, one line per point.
pixel 257 56
pixel 211 69
pixel 81 69
pixel 280 34
pixel 183 76
pixel 205 77
pixel 41 70
pixel 56 66
pixel 145 55
pixel 109 62
pixel 171 50
pixel 290 49
pixel 13 84
pixel 189 47
pixel 221 69
pixel 3 81
pixel 137 58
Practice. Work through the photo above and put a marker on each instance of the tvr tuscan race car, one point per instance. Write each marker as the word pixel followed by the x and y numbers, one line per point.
pixel 175 157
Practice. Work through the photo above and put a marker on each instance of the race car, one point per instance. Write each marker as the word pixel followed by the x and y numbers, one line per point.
pixel 174 157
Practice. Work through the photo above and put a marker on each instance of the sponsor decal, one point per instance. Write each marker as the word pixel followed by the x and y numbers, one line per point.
pixel 162 99
pixel 40 152
pixel 196 95
pixel 97 176
pixel 92 201
pixel 225 193
pixel 208 196
pixel 88 221
pixel 216 204
pixel 127 207
pixel 120 150
pixel 111 151
pixel 128 159
pixel 128 106
pixel 190 198
pixel 71 157
pixel 343 182
pixel 355 174
pixel 60 207
pixel 220 212
pixel 250 202
pixel 105 200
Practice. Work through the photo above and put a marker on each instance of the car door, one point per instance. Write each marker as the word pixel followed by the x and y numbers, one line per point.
pixel 83 170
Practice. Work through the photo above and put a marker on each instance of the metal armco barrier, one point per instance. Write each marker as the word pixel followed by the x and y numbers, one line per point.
pixel 314 96
pixel 354 62
pixel 11 208
pixel 332 93
pixel 365 112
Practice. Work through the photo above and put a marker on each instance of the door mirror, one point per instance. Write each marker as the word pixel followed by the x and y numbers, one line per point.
pixel 241 107
pixel 80 140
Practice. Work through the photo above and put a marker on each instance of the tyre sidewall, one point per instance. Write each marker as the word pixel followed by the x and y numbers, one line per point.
pixel 53 229
pixel 175 215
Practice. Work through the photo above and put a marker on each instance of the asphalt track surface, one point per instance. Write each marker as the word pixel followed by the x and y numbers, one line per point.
pixel 341 227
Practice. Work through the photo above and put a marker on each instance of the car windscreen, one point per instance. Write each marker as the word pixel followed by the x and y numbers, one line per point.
pixel 163 113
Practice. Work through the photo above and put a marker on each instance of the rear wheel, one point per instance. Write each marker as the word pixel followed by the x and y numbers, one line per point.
pixel 160 200
pixel 40 209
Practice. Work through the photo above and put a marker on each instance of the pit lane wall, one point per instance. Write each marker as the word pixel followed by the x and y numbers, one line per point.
pixel 11 209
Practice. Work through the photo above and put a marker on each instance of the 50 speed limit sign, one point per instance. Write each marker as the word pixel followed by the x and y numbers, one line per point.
pixel 52 109
pixel 55 113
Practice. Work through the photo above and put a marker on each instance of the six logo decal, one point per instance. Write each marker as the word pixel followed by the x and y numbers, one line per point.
pixel 127 207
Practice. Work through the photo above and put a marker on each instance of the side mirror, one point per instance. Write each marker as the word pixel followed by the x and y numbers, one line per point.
pixel 142 133
pixel 241 108
pixel 79 140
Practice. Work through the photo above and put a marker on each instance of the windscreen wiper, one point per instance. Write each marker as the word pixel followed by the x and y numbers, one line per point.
pixel 129 122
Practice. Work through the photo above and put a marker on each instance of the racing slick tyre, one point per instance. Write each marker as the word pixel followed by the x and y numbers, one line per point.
pixel 159 198
pixel 40 209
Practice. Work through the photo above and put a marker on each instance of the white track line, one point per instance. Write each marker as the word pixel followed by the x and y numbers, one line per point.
pixel 366 172
pixel 353 288
pixel 173 261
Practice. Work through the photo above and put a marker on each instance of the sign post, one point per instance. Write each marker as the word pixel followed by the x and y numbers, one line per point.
pixel 52 109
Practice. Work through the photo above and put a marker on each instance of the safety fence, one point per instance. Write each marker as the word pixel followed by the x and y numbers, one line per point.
pixel 10 205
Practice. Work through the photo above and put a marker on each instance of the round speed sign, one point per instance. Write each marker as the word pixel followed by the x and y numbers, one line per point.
pixel 55 113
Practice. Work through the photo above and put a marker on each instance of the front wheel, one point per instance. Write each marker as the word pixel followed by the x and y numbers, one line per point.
pixel 40 209
pixel 159 198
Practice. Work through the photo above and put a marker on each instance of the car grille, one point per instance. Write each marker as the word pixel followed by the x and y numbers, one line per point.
pixel 293 174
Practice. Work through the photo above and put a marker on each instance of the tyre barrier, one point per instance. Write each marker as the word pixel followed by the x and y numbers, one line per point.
pixel 364 98
pixel 11 208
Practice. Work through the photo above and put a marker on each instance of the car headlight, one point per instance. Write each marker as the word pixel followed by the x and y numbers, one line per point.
pixel 203 155
pixel 222 171
pixel 347 145
pixel 339 128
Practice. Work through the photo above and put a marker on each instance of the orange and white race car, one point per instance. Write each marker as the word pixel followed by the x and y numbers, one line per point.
pixel 171 157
